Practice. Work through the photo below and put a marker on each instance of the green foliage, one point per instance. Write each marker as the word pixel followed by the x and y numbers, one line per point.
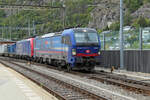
pixel 133 5
pixel 2 13
pixel 106 28
pixel 77 13
pixel 146 1
pixel 146 46
pixel 127 19
pixel 115 26
pixel 99 31
pixel 2 16
pixel 132 39
pixel 51 20
pixel 141 22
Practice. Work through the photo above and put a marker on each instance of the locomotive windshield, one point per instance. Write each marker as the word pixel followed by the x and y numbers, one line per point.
pixel 86 37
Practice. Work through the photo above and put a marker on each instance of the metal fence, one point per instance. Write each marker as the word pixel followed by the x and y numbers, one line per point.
pixel 133 39
pixel 135 60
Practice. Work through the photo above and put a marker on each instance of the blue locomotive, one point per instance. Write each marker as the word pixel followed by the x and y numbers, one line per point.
pixel 76 48
pixel 12 50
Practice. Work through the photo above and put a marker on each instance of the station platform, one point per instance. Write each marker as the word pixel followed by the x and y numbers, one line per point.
pixel 14 86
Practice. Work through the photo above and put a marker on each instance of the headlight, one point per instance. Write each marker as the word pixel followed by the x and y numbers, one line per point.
pixel 73 52
pixel 99 52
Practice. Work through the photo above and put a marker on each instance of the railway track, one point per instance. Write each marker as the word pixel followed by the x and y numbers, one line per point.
pixel 60 89
pixel 121 81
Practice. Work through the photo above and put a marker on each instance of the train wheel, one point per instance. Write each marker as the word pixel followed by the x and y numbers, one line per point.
pixel 37 60
pixel 59 67
pixel 91 70
pixel 69 68
pixel 41 60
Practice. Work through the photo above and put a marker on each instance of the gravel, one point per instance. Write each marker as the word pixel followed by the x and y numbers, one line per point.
pixel 51 85
pixel 110 91
pixel 131 75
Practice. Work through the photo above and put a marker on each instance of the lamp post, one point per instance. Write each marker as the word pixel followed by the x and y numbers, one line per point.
pixel 121 36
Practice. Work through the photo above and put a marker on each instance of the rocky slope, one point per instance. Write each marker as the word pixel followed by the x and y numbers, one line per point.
pixel 107 12
pixel 87 13
pixel 144 11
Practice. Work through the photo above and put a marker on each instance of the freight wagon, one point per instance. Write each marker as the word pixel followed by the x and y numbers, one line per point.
pixel 4 49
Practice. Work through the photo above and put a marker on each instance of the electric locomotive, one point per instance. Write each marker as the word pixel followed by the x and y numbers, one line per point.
pixel 83 46
pixel 12 50
pixel 76 48
pixel 24 49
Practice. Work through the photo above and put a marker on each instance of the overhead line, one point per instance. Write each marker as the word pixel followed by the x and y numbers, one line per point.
pixel 20 8
pixel 36 6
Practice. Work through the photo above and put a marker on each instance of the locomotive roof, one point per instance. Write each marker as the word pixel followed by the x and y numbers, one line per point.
pixel 24 40
pixel 84 29
pixel 61 32
pixel 50 34
pixel 79 30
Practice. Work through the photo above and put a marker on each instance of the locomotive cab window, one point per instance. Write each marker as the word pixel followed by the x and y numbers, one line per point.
pixel 86 37
pixel 63 40
pixel 66 40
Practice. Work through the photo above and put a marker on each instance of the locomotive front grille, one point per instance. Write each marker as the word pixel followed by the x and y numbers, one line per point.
pixel 84 59
pixel 85 62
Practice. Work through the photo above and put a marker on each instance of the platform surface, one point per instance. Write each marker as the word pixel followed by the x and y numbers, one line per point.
pixel 14 86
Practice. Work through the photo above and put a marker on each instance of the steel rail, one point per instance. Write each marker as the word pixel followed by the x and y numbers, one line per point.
pixel 86 94
pixel 123 82
pixel 138 87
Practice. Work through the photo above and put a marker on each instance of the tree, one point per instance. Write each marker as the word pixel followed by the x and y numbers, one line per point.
pixel 146 1
pixel 141 22
pixel 133 5
pixel 115 26
pixel 127 19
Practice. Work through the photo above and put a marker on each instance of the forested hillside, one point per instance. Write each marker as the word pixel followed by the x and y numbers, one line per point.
pixel 83 13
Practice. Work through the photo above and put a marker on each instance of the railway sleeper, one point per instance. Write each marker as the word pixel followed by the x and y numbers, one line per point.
pixel 129 86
